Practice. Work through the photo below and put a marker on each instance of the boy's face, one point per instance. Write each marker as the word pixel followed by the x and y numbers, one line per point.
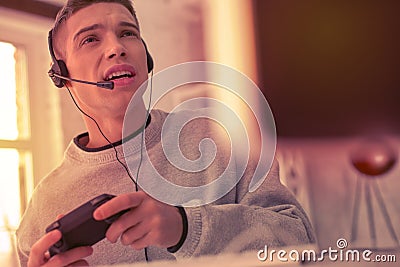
pixel 102 42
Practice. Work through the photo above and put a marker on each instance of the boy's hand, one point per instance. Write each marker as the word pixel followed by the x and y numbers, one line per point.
pixel 147 223
pixel 39 255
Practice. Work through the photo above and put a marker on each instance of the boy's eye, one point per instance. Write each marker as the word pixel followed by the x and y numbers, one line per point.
pixel 89 39
pixel 128 34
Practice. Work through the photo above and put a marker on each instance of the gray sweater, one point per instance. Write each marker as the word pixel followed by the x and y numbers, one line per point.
pixel 238 221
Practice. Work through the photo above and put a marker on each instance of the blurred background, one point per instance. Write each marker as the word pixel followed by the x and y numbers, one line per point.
pixel 329 70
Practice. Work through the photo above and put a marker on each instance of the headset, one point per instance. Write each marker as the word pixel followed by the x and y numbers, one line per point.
pixel 59 73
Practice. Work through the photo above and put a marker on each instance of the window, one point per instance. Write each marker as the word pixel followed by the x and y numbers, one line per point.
pixel 15 150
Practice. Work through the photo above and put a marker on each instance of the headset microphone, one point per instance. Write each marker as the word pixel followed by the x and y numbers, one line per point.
pixel 105 85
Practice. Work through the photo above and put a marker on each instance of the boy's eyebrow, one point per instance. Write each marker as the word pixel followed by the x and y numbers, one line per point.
pixel 86 29
pixel 129 24
pixel 96 26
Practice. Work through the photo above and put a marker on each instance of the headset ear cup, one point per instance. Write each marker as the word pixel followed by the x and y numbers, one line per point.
pixel 150 62
pixel 55 69
pixel 63 69
pixel 59 68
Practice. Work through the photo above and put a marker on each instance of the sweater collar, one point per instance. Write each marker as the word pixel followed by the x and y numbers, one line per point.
pixel 82 139
pixel 79 153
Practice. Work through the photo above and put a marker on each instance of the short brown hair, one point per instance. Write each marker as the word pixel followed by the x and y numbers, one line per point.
pixel 73 6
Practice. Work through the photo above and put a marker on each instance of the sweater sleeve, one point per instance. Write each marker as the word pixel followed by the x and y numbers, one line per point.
pixel 268 216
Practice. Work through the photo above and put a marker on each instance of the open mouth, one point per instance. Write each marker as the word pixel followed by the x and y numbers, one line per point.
pixel 119 75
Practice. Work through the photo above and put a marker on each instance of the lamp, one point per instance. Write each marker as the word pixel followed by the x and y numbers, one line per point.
pixel 372 158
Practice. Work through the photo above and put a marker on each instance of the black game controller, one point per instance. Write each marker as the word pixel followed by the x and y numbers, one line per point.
pixel 79 228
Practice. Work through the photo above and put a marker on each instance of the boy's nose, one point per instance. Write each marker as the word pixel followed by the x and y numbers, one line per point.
pixel 116 49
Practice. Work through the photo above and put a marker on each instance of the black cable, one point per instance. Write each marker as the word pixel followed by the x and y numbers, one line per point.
pixel 144 126
pixel 146 256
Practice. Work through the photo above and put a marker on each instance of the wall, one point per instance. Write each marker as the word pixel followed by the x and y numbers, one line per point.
pixel 330 68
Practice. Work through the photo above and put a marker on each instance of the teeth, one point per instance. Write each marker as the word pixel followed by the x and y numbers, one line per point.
pixel 117 74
